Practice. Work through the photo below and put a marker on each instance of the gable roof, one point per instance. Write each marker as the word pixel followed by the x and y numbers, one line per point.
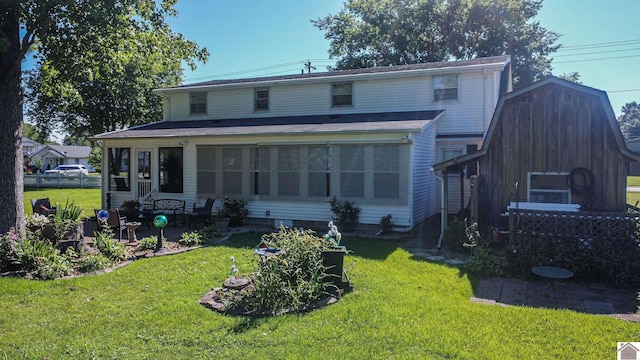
pixel 412 121
pixel 601 95
pixel 66 151
pixel 499 61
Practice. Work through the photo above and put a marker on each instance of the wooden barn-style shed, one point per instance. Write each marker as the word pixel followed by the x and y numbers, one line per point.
pixel 554 142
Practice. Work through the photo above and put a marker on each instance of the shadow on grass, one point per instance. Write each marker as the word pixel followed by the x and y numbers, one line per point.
pixel 367 248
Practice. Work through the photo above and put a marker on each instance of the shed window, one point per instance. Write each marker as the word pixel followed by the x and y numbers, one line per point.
pixel 548 188
pixel 445 87
pixel 342 94
pixel 198 103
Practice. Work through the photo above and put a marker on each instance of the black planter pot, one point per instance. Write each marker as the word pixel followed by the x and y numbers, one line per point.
pixel 333 261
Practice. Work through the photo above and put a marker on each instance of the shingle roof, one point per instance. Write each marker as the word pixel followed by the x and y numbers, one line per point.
pixel 357 123
pixel 384 69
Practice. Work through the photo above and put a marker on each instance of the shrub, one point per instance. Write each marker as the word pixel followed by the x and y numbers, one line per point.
pixel 292 279
pixel 41 259
pixel 345 214
pixel 148 243
pixel 10 251
pixel 93 262
pixel 190 239
pixel 485 262
pixel 454 236
pixel 234 209
pixel 111 249
pixel 209 233
pixel 386 224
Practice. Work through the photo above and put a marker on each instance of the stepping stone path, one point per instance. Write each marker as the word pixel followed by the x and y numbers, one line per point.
pixel 435 256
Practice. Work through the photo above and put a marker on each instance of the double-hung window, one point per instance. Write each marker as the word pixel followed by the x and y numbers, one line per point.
pixel 445 87
pixel 261 100
pixel 261 174
pixel 198 103
pixel 342 94
pixel 288 170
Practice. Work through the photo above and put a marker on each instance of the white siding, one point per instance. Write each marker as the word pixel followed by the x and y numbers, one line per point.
pixel 426 203
pixel 470 114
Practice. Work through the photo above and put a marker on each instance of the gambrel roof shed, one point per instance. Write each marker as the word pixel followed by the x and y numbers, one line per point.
pixel 550 127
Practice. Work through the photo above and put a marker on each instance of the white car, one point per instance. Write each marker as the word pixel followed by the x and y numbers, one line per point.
pixel 68 170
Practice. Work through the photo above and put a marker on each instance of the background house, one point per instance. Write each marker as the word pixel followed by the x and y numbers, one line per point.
pixel 287 144
pixel 29 148
pixel 54 155
pixel 552 142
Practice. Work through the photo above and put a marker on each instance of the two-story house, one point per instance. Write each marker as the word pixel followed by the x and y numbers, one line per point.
pixel 287 144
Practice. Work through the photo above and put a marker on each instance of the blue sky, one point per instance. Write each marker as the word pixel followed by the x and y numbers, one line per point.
pixel 248 38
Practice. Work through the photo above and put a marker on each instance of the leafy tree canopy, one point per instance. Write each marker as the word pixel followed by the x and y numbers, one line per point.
pixel 112 89
pixel 77 44
pixel 369 33
pixel 630 120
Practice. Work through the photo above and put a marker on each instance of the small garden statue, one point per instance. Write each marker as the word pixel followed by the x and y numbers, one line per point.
pixel 333 236
pixel 234 269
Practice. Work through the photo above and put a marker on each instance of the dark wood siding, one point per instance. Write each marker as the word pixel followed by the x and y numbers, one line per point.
pixel 552 128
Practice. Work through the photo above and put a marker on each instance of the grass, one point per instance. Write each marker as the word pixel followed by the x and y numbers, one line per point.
pixel 89 199
pixel 402 308
pixel 633 180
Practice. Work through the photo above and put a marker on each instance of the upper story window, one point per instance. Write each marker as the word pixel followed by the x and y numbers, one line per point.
pixel 445 87
pixel 342 94
pixel 198 103
pixel 261 99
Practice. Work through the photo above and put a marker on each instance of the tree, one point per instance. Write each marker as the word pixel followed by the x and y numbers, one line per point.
pixel 95 158
pixel 369 33
pixel 71 39
pixel 630 120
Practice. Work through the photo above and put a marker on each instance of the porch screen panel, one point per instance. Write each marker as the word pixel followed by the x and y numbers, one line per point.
pixel 119 165
pixel 232 171
pixel 318 171
pixel 206 173
pixel 261 175
pixel 288 171
pixel 171 170
pixel 352 171
pixel 386 171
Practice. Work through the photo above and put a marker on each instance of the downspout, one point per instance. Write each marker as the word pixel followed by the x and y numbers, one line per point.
pixel 409 139
pixel 443 211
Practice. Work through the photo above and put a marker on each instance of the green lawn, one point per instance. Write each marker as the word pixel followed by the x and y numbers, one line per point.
pixel 402 308
pixel 87 198
pixel 633 180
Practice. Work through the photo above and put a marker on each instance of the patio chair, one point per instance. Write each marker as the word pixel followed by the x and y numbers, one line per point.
pixel 201 214
pixel 115 221
pixel 42 207
pixel 121 185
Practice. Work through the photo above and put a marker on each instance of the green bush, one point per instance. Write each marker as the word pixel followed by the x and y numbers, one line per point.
pixel 209 233
pixel 93 262
pixel 292 279
pixel 345 214
pixel 455 236
pixel 234 209
pixel 10 251
pixel 485 262
pixel 111 249
pixel 41 259
pixel 191 239
pixel 148 243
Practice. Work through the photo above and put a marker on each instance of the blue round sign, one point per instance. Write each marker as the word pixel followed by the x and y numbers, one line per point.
pixel 160 221
pixel 103 215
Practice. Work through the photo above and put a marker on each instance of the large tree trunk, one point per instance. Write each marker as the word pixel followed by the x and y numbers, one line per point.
pixel 11 181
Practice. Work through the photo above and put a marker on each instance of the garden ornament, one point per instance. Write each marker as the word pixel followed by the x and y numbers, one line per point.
pixel 333 236
pixel 160 222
